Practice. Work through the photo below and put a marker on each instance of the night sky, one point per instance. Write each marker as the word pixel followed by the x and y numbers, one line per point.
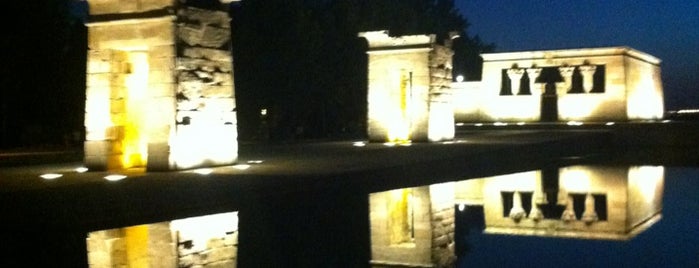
pixel 668 30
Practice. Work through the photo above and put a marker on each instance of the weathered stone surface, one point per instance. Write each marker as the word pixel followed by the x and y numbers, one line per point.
pixel 205 17
pixel 184 63
pixel 206 36
pixel 177 46
pixel 214 91
pixel 207 53
pixel 98 7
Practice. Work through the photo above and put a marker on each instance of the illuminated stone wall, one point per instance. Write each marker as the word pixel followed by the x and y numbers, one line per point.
pixel 442 224
pixel 159 86
pixel 413 227
pixel 205 241
pixel 408 88
pixel 593 202
pixel 136 246
pixel 597 84
pixel 387 217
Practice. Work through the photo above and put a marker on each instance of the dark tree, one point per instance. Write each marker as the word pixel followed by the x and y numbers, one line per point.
pixel 302 61
pixel 43 75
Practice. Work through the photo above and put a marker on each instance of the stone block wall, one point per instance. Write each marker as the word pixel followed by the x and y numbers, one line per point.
pixel 441 110
pixel 409 77
pixel 618 84
pixel 98 7
pixel 442 217
pixel 384 252
pixel 206 117
pixel 220 252
pixel 137 246
pixel 626 201
pixel 181 114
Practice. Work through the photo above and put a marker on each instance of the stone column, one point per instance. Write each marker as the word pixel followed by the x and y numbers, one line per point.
pixel 589 215
pixel 517 211
pixel 515 75
pixel 535 213
pixel 567 74
pixel 569 213
pixel 533 74
pixel 588 72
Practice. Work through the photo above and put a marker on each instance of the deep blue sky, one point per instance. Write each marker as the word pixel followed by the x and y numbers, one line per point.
pixel 668 30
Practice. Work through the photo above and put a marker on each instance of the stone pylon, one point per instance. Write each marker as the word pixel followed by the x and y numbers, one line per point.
pixel 160 92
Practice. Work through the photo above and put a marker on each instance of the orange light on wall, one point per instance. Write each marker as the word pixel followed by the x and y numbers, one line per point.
pixel 134 143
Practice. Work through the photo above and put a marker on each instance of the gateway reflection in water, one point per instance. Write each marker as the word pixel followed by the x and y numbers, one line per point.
pixel 585 202
pixel 210 240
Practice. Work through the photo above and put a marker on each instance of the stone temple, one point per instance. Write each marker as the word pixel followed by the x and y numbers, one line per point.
pixel 160 96
pixel 416 227
pixel 593 84
pixel 411 96
pixel 160 91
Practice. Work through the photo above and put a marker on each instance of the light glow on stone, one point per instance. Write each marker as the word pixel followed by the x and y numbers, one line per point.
pixel 610 123
pixel 647 180
pixel 256 161
pixel 576 179
pixel 206 141
pixel 134 144
pixel 499 124
pixel 574 123
pixel 200 229
pixel 51 176
pixel 645 102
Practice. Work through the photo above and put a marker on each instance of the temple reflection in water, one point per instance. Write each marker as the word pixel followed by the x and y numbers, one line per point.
pixel 416 226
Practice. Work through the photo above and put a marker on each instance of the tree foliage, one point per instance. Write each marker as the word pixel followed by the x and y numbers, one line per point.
pixel 299 59
pixel 302 61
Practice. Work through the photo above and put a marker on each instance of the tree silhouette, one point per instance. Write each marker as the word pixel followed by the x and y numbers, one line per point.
pixel 302 61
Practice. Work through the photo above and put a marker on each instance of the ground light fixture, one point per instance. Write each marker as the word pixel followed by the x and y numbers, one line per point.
pixel 359 144
pixel 241 166
pixel 203 171
pixel 51 176
pixel 115 177
pixel 81 169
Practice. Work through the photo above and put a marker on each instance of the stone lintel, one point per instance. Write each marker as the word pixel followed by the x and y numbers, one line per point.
pixel 398 50
pixel 378 263
pixel 127 20
pixel 570 53
pixel 129 17
pixel 381 40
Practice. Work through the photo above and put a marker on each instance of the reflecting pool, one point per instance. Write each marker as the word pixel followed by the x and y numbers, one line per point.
pixel 577 215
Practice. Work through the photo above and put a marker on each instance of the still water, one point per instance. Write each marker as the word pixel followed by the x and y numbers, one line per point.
pixel 672 241
pixel 642 216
